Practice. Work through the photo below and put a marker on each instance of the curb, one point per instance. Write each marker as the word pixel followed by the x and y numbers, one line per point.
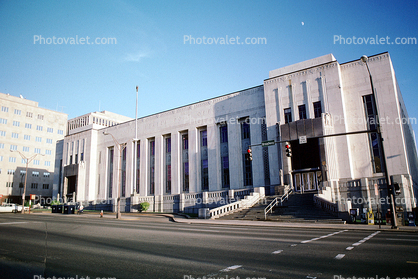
pixel 296 225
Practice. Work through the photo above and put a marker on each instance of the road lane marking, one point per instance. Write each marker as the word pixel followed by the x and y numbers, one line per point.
pixel 365 239
pixel 412 262
pixel 339 256
pixel 230 268
pixel 277 252
pixel 13 223
pixel 197 230
pixel 322 237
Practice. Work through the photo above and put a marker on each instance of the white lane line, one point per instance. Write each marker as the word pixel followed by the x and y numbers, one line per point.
pixel 339 256
pixel 197 230
pixel 322 237
pixel 365 239
pixel 230 268
pixel 13 223
pixel 277 252
pixel 358 243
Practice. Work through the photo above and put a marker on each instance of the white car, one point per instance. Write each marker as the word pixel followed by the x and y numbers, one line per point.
pixel 11 207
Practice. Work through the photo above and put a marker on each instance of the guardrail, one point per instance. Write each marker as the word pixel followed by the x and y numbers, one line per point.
pixel 247 202
pixel 326 205
pixel 279 199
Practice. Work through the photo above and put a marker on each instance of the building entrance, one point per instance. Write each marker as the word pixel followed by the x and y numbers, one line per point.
pixel 306 165
pixel 306 181
pixel 71 186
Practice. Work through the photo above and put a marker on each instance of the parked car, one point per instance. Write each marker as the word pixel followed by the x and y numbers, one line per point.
pixel 12 207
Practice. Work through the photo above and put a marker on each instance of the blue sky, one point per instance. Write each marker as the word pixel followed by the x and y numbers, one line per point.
pixel 150 50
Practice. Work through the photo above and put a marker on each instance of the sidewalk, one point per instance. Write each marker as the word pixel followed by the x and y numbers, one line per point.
pixel 180 219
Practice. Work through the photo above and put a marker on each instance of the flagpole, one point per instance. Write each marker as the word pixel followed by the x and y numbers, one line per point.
pixel 135 141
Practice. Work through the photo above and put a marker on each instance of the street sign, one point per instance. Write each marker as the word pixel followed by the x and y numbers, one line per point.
pixel 267 143
pixel 1 196
pixel 302 140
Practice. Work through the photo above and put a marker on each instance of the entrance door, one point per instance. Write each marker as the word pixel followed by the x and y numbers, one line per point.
pixel 306 181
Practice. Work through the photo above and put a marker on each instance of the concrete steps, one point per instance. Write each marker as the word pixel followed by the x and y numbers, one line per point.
pixel 298 208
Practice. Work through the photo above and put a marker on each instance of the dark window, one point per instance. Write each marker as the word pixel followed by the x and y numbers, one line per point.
pixel 302 112
pixel 185 142
pixel 287 115
pixel 317 109
pixel 204 137
pixel 224 133
pixel 168 145
pixel 374 138
pixel 225 172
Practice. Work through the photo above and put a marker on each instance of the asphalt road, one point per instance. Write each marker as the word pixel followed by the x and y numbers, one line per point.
pixel 70 246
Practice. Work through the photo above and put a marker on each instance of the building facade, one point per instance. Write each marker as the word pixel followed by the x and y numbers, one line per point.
pixel 33 135
pixel 196 155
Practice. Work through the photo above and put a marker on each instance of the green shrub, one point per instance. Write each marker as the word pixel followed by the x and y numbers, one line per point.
pixel 55 202
pixel 143 206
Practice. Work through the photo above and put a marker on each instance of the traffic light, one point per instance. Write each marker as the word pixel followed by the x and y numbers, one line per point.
pixel 249 154
pixel 396 188
pixel 288 150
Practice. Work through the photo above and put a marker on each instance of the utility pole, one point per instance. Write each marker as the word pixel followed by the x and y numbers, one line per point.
pixel 364 58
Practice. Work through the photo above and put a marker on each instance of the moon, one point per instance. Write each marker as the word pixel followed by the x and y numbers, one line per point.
pixel 303 23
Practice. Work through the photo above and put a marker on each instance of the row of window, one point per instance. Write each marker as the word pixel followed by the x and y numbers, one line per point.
pixel 184 161
pixel 26 149
pixel 302 112
pixel 23 172
pixel 32 186
pixel 25 137
pixel 73 149
pixel 34 162
pixel 29 126
pixel 19 112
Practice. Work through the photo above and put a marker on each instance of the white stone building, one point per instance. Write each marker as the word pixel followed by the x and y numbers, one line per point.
pixel 36 133
pixel 195 156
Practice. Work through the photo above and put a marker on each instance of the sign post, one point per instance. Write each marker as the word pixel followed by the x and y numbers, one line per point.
pixel 267 143
pixel 302 140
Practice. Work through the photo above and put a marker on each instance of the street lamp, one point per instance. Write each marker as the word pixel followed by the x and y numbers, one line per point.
pixel 28 160
pixel 120 146
pixel 364 58
pixel 135 143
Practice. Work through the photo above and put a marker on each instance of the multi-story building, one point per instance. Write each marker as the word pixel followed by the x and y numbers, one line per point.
pixel 29 134
pixel 196 155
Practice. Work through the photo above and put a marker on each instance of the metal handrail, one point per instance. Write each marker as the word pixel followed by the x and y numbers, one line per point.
pixel 278 199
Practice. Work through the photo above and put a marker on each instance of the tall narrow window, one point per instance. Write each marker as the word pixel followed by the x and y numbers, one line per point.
pixel 204 160
pixel 123 172
pixel 302 112
pixel 110 171
pixel 168 164
pixel 82 151
pixel 317 109
pixel 287 115
pixel 246 144
pixel 374 140
pixel 76 151
pixel 185 159
pixel 138 156
pixel 223 131
pixel 152 167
